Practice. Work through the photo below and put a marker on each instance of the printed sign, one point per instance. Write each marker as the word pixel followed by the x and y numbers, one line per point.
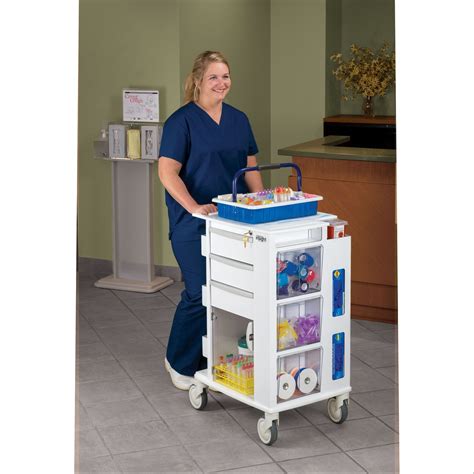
pixel 141 106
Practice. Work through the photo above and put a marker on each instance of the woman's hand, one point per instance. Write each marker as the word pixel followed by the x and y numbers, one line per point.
pixel 204 209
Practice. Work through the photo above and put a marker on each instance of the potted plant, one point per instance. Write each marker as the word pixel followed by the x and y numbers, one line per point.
pixel 367 73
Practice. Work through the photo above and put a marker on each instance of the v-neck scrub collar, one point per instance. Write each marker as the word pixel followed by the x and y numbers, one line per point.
pixel 208 115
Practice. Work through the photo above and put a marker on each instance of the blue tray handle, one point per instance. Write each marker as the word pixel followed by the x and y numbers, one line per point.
pixel 262 168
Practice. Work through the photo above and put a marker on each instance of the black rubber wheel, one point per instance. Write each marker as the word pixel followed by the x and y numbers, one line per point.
pixel 337 415
pixel 198 402
pixel 270 435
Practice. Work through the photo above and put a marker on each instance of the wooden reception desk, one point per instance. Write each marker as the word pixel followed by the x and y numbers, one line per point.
pixel 358 185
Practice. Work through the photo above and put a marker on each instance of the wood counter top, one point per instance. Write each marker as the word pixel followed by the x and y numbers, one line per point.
pixel 330 147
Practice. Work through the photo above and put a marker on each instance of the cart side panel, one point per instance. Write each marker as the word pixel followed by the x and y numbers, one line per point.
pixel 336 288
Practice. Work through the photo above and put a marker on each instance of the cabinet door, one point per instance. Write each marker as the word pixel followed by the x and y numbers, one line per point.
pixel 336 320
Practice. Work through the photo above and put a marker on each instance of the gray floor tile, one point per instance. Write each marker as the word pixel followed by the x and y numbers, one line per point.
pixel 84 333
pixel 158 386
pixel 127 333
pixel 163 341
pixel 146 347
pixel 360 335
pixel 337 463
pixel 135 410
pixel 176 288
pixel 90 445
pixel 390 336
pixel 268 468
pixel 176 404
pixel 299 443
pixel 169 460
pixel 379 459
pixel 357 434
pixel 206 426
pixel 317 413
pixel 134 295
pixel 100 305
pixel 89 371
pixel 248 417
pixel 159 315
pixel 138 437
pixel 144 365
pixel 175 298
pixel 390 372
pixel 148 303
pixel 227 454
pixel 377 354
pixel 160 329
pixel 103 465
pixel 228 403
pixel 376 326
pixel 365 379
pixel 93 352
pixel 88 293
pixel 391 421
pixel 104 319
pixel 83 421
pixel 356 363
pixel 91 393
pixel 380 402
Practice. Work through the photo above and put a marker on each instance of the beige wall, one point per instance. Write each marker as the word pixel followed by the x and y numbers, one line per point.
pixel 368 23
pixel 151 44
pixel 122 43
pixel 278 53
pixel 298 48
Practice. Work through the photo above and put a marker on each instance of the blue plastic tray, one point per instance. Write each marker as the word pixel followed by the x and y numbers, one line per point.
pixel 231 209
pixel 260 215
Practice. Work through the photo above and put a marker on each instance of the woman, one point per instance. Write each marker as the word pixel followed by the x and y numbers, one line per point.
pixel 204 143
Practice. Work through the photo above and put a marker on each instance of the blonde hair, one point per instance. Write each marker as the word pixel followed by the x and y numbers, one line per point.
pixel 201 63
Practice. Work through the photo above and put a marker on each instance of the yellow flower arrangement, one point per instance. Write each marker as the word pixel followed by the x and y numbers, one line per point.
pixel 366 73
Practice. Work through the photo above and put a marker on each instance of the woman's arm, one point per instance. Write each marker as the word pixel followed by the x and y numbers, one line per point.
pixel 253 178
pixel 168 172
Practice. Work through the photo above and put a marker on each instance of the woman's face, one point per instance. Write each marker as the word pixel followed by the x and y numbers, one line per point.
pixel 215 83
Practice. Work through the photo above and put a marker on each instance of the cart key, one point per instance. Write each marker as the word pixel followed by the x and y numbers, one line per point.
pixel 247 237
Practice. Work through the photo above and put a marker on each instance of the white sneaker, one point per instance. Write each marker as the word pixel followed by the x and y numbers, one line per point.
pixel 183 382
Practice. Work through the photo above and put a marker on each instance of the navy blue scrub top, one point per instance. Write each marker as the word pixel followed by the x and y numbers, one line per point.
pixel 210 155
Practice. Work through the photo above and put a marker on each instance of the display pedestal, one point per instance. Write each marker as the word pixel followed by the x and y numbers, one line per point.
pixel 132 207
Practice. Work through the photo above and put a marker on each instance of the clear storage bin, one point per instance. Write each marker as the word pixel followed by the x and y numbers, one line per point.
pixel 298 272
pixel 299 324
pixel 298 375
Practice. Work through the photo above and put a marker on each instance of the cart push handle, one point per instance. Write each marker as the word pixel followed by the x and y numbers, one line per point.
pixel 262 168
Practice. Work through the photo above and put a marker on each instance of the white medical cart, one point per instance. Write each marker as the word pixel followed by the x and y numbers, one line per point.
pixel 244 296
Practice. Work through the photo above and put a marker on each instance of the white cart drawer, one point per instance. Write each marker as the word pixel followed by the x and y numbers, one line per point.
pixel 232 272
pixel 232 299
pixel 231 245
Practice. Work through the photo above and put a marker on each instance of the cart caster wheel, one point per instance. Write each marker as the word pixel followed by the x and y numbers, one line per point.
pixel 269 436
pixel 198 400
pixel 337 415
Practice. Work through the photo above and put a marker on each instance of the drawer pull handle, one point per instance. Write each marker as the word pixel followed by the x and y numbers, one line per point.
pixel 232 289
pixel 232 263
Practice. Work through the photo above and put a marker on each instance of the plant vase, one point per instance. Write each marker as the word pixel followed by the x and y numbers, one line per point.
pixel 368 107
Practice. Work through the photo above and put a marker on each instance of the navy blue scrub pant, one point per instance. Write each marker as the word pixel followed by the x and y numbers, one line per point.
pixel 184 351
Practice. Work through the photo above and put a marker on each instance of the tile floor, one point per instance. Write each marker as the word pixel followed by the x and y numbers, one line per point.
pixel 130 418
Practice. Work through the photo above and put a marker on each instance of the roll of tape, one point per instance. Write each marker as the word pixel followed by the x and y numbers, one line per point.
pixel 294 371
pixel 306 380
pixel 286 385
